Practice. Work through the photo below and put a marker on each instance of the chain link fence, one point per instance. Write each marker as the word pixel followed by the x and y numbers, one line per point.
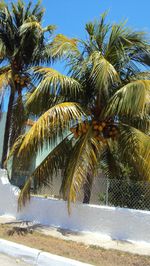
pixel 124 193
pixel 109 192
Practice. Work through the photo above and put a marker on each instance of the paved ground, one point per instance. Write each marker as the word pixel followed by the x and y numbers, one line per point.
pixel 6 219
pixel 8 261
pixel 97 240
pixel 90 239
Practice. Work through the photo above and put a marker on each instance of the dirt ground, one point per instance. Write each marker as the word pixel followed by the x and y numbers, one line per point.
pixel 70 249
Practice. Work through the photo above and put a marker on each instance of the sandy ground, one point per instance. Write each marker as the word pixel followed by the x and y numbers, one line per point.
pixel 98 240
pixel 60 244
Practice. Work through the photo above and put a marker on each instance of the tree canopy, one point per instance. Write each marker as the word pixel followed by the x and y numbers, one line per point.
pixel 103 104
pixel 23 45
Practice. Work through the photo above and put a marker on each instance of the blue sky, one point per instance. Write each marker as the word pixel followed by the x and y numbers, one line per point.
pixel 71 15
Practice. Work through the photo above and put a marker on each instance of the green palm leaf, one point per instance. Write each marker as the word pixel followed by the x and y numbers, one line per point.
pixel 84 159
pixel 63 46
pixel 30 25
pixel 43 174
pixel 2 50
pixel 123 45
pixel 51 124
pixel 97 33
pixel 5 77
pixel 131 100
pixel 135 147
pixel 23 44
pixel 53 84
pixel 141 123
pixel 140 76
pixel 104 65
pixel 109 164
pixel 103 73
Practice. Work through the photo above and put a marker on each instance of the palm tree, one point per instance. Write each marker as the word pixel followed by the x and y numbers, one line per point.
pixel 104 107
pixel 23 45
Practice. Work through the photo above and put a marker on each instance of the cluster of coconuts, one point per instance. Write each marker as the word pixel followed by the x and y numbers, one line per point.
pixel 102 130
pixel 22 80
pixel 15 64
pixel 80 129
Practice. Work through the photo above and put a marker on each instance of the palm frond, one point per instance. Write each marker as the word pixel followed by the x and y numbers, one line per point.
pixel 103 73
pixel 40 105
pixel 144 56
pixel 30 25
pixel 5 81
pixel 84 160
pixel 43 55
pixel 2 50
pixel 25 193
pixel 114 49
pixel 97 32
pixel 53 84
pixel 109 165
pixel 15 148
pixel 135 147
pixel 5 69
pixel 131 100
pixel 51 124
pixel 141 123
pixel 2 4
pixel 5 77
pixel 49 28
pixel 43 174
pixel 63 46
pixel 27 11
pixel 124 45
pixel 140 76
pixel 38 10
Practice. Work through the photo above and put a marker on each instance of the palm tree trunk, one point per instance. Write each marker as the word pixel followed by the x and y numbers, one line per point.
pixel 7 127
pixel 87 188
pixel 18 119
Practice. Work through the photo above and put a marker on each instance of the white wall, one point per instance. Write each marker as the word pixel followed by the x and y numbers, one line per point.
pixel 118 223
pixel 2 129
pixel 8 195
pixel 35 256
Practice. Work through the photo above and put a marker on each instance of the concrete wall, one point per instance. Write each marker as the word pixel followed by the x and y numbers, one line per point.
pixel 2 129
pixel 8 195
pixel 34 256
pixel 117 223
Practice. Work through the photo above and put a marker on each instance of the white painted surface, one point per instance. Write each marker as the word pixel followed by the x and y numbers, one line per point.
pixel 116 223
pixel 48 259
pixel 8 195
pixel 2 129
pixel 19 251
pixel 35 256
pixel 9 261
